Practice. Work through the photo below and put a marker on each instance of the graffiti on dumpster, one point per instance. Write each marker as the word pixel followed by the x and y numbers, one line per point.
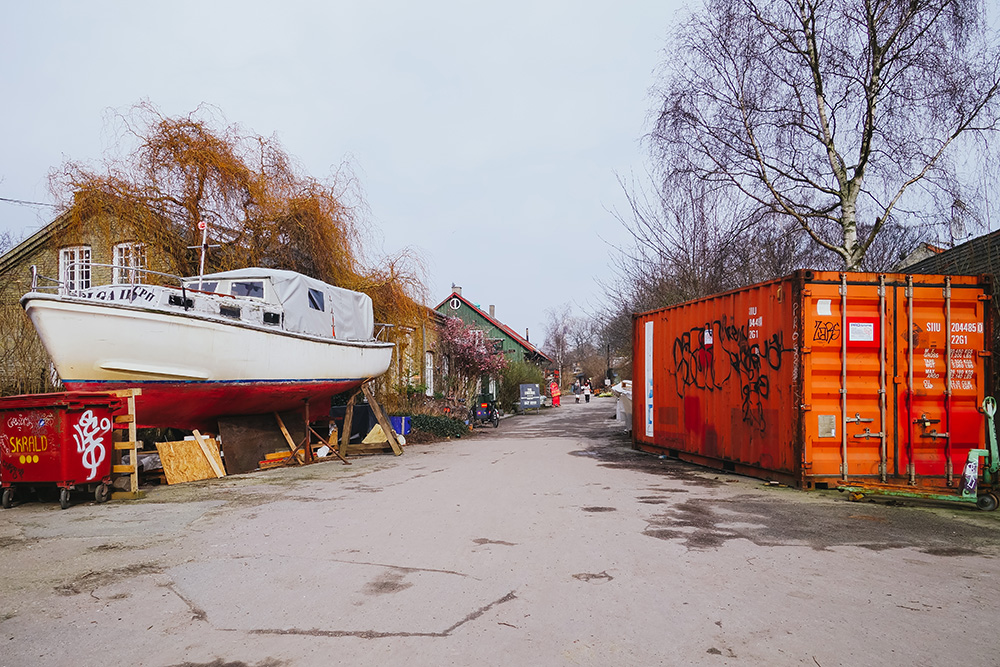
pixel 710 357
pixel 11 472
pixel 88 444
pixel 34 421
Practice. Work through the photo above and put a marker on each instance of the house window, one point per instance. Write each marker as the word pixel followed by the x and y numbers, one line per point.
pixel 74 268
pixel 429 372
pixel 129 263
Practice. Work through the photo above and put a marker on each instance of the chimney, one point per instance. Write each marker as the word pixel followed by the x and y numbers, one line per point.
pixel 526 337
pixel 493 312
pixel 457 289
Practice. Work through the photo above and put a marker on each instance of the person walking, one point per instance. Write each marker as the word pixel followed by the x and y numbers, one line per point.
pixel 586 392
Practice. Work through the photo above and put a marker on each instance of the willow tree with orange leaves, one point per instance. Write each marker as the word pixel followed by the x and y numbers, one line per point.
pixel 193 171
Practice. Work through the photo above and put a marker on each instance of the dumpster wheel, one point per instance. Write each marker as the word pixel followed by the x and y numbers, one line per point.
pixel 987 502
pixel 8 498
pixel 64 497
pixel 102 493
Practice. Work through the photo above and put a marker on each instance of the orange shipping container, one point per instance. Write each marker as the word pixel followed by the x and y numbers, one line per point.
pixel 820 379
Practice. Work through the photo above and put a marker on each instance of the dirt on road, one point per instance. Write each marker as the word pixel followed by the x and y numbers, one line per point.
pixel 546 541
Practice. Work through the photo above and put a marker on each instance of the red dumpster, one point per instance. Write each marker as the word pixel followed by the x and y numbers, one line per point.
pixel 62 439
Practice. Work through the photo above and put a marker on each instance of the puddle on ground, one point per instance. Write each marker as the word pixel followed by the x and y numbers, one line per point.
pixel 708 523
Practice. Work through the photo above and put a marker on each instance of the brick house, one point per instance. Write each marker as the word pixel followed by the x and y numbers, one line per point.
pixel 66 255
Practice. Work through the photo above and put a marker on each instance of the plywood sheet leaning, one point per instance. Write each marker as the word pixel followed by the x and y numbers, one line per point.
pixel 187 461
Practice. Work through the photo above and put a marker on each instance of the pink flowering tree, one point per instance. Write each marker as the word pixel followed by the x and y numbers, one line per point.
pixel 470 355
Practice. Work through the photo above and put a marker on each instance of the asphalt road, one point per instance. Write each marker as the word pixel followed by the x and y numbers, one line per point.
pixel 544 542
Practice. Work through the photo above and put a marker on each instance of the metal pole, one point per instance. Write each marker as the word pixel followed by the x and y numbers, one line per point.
pixel 843 376
pixel 204 251
pixel 883 455
pixel 909 381
pixel 947 379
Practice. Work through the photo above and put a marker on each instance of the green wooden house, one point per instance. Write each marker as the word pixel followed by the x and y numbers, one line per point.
pixel 515 347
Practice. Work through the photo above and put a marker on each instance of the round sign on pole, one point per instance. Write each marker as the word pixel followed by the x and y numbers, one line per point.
pixel 202 225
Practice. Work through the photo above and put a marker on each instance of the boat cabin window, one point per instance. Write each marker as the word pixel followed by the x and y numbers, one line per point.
pixel 315 299
pixel 204 286
pixel 251 288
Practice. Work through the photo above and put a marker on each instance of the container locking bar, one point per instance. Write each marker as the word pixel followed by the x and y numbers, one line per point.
pixel 858 419
pixel 934 434
pixel 868 434
pixel 925 421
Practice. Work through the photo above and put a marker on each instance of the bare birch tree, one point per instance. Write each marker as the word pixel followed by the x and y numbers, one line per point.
pixel 841 115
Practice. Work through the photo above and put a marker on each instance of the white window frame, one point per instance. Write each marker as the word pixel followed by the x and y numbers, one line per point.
pixel 129 263
pixel 429 373
pixel 74 268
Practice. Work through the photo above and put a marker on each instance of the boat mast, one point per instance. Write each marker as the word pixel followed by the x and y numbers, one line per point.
pixel 204 250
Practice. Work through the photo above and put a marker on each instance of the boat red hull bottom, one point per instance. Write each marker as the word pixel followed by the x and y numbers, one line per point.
pixel 198 405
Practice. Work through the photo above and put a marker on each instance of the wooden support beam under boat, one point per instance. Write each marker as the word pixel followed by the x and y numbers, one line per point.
pixel 345 437
pixel 382 420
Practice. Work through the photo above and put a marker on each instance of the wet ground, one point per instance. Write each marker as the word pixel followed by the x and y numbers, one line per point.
pixel 546 541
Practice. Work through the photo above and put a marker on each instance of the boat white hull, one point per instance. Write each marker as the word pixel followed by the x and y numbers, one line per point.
pixel 191 369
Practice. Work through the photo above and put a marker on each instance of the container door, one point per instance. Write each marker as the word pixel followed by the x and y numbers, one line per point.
pixel 845 379
pixel 939 381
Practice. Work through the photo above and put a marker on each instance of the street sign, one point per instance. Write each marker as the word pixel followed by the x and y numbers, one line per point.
pixel 531 396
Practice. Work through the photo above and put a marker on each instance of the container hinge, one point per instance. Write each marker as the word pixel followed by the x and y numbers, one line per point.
pixel 807 292
pixel 806 350
pixel 984 297
pixel 805 407
pixel 868 434
pixel 858 419
pixel 925 421
pixel 934 435
pixel 985 353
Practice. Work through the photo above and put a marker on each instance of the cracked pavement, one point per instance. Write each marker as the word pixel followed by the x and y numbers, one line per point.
pixel 544 542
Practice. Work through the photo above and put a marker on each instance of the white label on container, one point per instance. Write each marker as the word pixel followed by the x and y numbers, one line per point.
pixel 708 336
pixel 649 378
pixel 827 426
pixel 861 332
pixel 823 307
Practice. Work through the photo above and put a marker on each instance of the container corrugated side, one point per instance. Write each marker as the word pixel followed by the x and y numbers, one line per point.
pixel 794 380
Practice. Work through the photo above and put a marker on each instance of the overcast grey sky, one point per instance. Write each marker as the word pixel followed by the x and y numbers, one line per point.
pixel 488 137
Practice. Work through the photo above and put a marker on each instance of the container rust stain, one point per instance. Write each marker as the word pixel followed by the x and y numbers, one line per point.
pixel 820 378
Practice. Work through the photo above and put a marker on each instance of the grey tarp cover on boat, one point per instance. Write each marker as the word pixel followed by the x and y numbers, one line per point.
pixel 346 312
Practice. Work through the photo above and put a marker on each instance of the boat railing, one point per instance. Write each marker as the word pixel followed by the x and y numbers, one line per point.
pixel 72 288
pixel 382 327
